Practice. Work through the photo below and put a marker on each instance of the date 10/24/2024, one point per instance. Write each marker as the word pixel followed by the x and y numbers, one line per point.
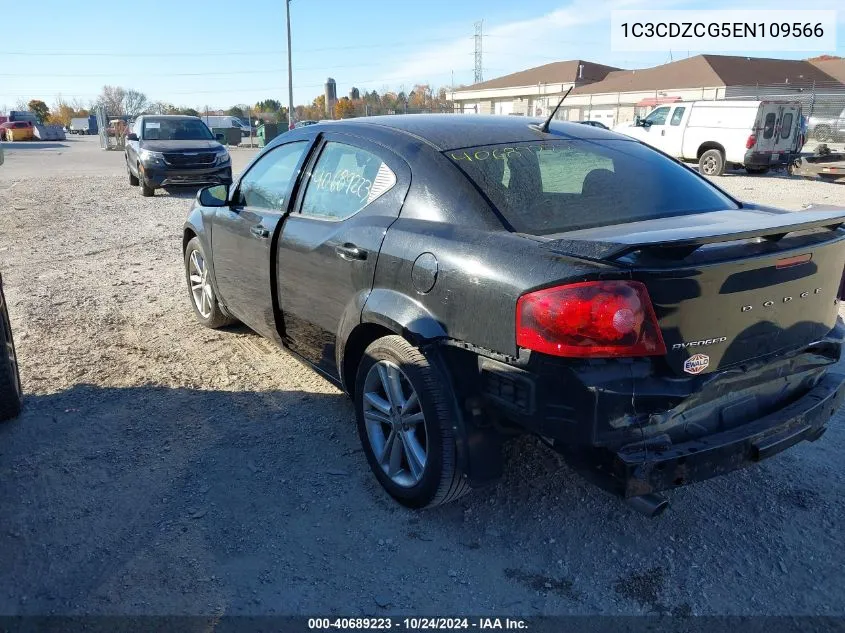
pixel 418 623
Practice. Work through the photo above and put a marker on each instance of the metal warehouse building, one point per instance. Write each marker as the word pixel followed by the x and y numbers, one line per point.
pixel 613 95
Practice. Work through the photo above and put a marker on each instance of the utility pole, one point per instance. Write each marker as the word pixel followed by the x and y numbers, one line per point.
pixel 478 61
pixel 290 73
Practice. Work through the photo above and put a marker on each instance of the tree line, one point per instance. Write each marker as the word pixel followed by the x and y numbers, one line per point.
pixel 120 101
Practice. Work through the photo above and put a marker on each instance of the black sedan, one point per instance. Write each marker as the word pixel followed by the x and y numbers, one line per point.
pixel 10 380
pixel 468 278
pixel 174 150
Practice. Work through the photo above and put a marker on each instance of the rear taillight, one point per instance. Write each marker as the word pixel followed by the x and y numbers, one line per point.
pixel 591 319
pixel 751 142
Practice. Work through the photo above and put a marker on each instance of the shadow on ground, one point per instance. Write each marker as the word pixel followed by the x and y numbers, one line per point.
pixel 156 500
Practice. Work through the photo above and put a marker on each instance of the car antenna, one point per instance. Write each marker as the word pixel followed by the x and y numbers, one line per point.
pixel 545 127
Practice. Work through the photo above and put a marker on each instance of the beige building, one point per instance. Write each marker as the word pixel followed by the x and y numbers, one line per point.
pixel 612 95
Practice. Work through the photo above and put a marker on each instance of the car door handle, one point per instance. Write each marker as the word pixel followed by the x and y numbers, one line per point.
pixel 259 231
pixel 662 132
pixel 350 252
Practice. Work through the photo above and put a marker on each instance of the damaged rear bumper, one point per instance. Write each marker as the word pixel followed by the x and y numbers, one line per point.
pixel 651 470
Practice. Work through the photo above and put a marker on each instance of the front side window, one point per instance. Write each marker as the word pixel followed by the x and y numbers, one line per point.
pixel 677 115
pixel 345 180
pixel 786 125
pixel 558 186
pixel 658 117
pixel 769 125
pixel 162 129
pixel 267 183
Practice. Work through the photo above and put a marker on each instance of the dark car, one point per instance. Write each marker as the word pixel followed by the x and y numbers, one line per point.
pixel 10 380
pixel 174 150
pixel 468 278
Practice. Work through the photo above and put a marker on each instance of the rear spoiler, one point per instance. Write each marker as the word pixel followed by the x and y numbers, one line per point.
pixel 677 240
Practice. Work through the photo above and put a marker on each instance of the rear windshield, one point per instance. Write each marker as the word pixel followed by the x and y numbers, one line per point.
pixel 175 130
pixel 557 186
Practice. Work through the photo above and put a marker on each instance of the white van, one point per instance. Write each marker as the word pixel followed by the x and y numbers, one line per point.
pixel 224 122
pixel 752 134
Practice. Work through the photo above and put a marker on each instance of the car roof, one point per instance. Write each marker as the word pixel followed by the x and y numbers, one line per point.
pixel 453 131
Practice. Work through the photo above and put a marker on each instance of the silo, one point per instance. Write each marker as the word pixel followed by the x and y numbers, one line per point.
pixel 331 96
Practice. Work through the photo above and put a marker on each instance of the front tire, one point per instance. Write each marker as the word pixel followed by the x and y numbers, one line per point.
pixel 712 163
pixel 146 190
pixel 200 291
pixel 11 394
pixel 405 422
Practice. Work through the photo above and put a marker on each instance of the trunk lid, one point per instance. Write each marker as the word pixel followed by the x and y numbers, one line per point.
pixel 728 286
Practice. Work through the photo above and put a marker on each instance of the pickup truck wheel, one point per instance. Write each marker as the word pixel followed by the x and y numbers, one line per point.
pixel 712 163
pixel 200 290
pixel 405 424
pixel 11 394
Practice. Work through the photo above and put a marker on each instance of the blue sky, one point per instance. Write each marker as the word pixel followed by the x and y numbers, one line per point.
pixel 217 53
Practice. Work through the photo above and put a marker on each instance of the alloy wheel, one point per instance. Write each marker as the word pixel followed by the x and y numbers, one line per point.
pixel 709 166
pixel 395 424
pixel 201 289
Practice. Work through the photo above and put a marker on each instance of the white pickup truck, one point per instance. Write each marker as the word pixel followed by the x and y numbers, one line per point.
pixel 753 134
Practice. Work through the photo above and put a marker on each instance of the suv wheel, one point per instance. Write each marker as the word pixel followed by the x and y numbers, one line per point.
pixel 200 290
pixel 402 403
pixel 822 133
pixel 11 394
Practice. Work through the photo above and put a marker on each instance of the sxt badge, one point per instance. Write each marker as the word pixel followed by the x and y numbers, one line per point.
pixel 696 364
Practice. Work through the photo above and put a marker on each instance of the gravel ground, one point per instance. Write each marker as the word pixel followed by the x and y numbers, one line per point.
pixel 162 468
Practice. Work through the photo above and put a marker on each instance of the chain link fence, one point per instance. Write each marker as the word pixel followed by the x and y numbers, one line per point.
pixel 823 105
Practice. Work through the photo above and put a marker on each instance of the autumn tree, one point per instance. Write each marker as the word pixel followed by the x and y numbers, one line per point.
pixel 344 108
pixel 39 109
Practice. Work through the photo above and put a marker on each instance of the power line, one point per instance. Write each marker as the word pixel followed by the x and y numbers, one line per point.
pixel 242 89
pixel 217 54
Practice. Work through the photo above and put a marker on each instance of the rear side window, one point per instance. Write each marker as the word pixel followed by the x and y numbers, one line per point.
pixel 677 115
pixel 786 125
pixel 345 180
pixel 769 125
pixel 558 186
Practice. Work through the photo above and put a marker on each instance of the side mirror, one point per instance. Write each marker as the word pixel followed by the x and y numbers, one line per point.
pixel 216 196
pixel 131 137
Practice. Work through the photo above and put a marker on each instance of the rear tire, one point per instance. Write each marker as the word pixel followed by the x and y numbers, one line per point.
pixel 11 394
pixel 413 482
pixel 712 163
pixel 200 291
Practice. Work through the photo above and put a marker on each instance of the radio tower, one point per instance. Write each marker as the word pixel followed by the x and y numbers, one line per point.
pixel 478 65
